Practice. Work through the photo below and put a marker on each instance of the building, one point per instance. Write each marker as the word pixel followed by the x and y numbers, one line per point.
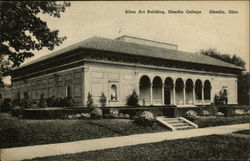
pixel 158 72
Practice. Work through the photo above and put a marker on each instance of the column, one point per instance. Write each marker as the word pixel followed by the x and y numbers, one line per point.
pixel 184 94
pixel 202 94
pixel 162 94
pixel 211 95
pixel 174 103
pixel 151 93
pixel 193 94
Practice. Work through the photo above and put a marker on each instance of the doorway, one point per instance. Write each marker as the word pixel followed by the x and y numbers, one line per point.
pixel 167 96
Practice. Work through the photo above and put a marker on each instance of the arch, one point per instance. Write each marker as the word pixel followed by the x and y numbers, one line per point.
pixel 144 89
pixel 157 90
pixel 189 91
pixel 207 90
pixel 179 85
pixel 113 93
pixel 68 91
pixel 198 89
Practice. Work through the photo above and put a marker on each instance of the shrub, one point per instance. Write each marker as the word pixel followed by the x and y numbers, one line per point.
pixel 89 101
pixel 96 113
pixel 51 101
pixel 239 112
pixel 103 100
pixel 219 114
pixel 42 101
pixel 132 99
pixel 146 118
pixel 26 102
pixel 205 113
pixel 221 97
pixel 191 115
pixel 114 113
pixel 68 101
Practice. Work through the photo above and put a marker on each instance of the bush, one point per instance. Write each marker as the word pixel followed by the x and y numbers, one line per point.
pixel 132 99
pixel 42 101
pixel 26 102
pixel 191 115
pixel 221 97
pixel 219 114
pixel 96 113
pixel 146 118
pixel 90 101
pixel 114 113
pixel 205 113
pixel 103 100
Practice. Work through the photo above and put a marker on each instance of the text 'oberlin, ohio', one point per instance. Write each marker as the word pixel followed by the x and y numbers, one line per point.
pixel 180 12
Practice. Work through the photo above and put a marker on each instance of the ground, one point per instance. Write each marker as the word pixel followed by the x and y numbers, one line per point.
pixel 20 132
pixel 213 147
pixel 16 132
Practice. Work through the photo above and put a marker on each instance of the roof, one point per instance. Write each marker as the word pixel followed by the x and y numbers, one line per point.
pixel 104 44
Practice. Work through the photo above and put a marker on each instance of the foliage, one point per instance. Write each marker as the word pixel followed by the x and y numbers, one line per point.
pixel 23 31
pixel 146 118
pixel 19 132
pixel 51 101
pixel 114 113
pixel 132 99
pixel 221 97
pixel 191 115
pixel 243 86
pixel 219 114
pixel 103 100
pixel 224 57
pixel 42 101
pixel 26 102
pixel 205 113
pixel 96 113
pixel 90 101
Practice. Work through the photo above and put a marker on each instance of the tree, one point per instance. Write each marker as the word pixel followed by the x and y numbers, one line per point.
pixel 224 57
pixel 242 78
pixel 23 31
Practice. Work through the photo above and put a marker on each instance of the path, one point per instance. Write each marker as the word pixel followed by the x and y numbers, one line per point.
pixel 28 152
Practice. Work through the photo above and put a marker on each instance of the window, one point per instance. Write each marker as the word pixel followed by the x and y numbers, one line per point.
pixel 113 93
pixel 68 91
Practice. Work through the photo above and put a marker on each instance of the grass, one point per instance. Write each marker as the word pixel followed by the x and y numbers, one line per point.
pixel 246 132
pixel 213 147
pixel 18 132
pixel 208 121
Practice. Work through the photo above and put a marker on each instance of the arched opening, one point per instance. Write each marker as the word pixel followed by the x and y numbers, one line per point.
pixel 144 90
pixel 157 91
pixel 113 92
pixel 168 91
pixel 189 91
pixel 207 91
pixel 179 91
pixel 68 91
pixel 198 91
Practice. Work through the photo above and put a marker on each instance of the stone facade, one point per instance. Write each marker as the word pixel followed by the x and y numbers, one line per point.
pixel 117 76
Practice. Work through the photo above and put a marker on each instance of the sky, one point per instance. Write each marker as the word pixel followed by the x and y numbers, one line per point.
pixel 228 33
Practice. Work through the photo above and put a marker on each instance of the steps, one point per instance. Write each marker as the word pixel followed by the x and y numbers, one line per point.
pixel 178 123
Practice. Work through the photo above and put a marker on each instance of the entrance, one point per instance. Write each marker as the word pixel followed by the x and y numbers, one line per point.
pixel 167 96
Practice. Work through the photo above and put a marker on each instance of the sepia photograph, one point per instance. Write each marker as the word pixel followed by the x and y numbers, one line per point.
pixel 124 81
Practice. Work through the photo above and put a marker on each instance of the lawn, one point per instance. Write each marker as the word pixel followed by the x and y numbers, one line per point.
pixel 20 132
pixel 246 132
pixel 208 121
pixel 213 147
